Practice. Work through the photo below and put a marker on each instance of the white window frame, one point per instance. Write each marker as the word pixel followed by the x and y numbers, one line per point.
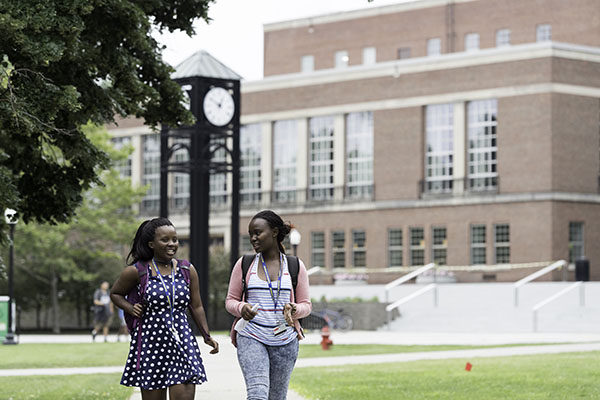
pixel 307 63
pixel 395 247
pixel 369 55
pixel 321 158
pixel 543 32
pixel 317 251
pixel 341 59
pixel 151 172
pixel 472 41
pixel 181 181
pixel 250 163
pixel 439 148
pixel 359 155
pixel 434 47
pixel 501 245
pixel 414 247
pixel 218 182
pixel 479 245
pixel 437 246
pixel 338 250
pixel 503 38
pixel 123 166
pixel 482 145
pixel 285 153
pixel 576 244
pixel 359 247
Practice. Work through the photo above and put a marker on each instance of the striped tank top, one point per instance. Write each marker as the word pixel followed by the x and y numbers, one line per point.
pixel 262 325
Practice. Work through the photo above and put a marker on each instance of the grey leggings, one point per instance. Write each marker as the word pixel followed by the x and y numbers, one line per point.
pixel 266 369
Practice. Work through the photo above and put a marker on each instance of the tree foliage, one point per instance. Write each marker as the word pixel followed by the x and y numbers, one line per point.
pixel 64 63
pixel 66 261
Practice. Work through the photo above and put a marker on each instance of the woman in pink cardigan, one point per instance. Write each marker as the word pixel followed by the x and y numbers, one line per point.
pixel 267 336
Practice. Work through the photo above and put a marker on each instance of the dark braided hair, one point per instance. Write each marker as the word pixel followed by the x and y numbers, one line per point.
pixel 275 221
pixel 140 251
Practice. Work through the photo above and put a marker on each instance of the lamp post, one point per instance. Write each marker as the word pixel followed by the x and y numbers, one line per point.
pixel 295 238
pixel 10 216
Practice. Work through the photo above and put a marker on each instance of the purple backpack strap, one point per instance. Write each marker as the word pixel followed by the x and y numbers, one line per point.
pixel 143 275
pixel 184 266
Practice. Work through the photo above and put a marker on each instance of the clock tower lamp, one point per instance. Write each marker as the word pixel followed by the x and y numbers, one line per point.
pixel 213 91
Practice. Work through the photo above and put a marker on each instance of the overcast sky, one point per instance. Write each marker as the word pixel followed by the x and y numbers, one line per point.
pixel 235 36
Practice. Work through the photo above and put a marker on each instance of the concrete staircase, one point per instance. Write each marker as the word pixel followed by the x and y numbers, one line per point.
pixel 483 307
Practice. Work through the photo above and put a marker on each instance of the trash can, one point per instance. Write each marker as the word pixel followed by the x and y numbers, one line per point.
pixel 582 269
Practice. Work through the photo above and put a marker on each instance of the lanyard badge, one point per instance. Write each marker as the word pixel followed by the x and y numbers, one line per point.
pixel 282 327
pixel 171 303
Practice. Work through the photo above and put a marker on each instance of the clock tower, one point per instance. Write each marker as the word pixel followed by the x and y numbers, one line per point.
pixel 212 91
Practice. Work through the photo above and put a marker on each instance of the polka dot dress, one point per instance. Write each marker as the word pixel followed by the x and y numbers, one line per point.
pixel 164 361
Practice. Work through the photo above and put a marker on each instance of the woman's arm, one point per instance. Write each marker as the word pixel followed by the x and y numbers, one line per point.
pixel 127 280
pixel 197 311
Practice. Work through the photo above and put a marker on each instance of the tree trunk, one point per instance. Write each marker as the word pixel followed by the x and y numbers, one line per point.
pixel 38 315
pixel 54 298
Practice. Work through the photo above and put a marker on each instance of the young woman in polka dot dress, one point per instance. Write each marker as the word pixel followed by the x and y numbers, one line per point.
pixel 167 354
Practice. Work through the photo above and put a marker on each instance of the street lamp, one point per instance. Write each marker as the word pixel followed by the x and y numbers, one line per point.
pixel 295 238
pixel 11 218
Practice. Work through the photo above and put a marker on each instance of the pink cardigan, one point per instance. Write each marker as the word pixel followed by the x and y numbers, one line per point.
pixel 300 298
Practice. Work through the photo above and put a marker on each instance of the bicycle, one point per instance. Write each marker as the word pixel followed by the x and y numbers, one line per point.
pixel 333 319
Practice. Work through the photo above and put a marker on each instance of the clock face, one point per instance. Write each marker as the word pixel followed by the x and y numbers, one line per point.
pixel 218 106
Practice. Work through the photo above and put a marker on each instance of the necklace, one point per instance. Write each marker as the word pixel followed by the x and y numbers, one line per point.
pixel 166 265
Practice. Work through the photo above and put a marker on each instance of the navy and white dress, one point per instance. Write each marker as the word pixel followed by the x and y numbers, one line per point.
pixel 163 360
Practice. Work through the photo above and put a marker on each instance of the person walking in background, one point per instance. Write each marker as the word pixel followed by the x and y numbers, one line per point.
pixel 103 311
pixel 122 324
pixel 267 345
pixel 163 353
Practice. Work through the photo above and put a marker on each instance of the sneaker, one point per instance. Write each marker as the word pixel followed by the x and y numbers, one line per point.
pixel 94 335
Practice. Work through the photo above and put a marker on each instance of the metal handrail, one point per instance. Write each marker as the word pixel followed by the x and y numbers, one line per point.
pixel 405 278
pixel 555 296
pixel 314 270
pixel 390 307
pixel 535 275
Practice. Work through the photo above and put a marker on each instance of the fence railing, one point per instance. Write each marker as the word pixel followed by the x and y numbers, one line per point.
pixel 535 275
pixel 406 278
pixel 391 307
pixel 555 296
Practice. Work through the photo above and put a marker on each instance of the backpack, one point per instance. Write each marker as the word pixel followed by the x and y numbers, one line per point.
pixel 137 293
pixel 293 268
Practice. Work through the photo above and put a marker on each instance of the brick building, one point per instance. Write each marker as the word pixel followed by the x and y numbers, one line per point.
pixel 461 132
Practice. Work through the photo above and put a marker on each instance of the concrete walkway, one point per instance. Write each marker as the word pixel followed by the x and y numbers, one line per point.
pixel 225 381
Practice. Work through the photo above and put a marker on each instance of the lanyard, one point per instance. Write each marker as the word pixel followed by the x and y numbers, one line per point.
pixel 275 300
pixel 171 303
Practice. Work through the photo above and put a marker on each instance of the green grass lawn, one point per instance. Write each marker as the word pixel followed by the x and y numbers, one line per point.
pixel 55 355
pixel 560 376
pixel 71 387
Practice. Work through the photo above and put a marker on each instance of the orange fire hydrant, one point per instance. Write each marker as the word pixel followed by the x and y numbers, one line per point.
pixel 325 341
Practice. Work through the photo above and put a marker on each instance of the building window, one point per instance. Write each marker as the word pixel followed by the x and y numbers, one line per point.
pixel 321 158
pixel 439 131
pixel 341 59
pixel 502 243
pixel 478 255
pixel 576 241
pixel 124 165
pixel 482 145
pixel 403 53
pixel 181 181
pixel 250 158
pixel 543 32
pixel 502 37
pixel 471 41
pixel 218 182
pixel 369 55
pixel 307 63
pixel 285 150
pixel 151 173
pixel 317 245
pixel 440 244
pixel 434 47
pixel 395 247
pixel 359 155
pixel 338 249
pixel 245 245
pixel 417 246
pixel 359 249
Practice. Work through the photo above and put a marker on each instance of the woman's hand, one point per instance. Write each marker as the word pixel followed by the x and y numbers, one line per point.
pixel 288 313
pixel 212 343
pixel 247 312
pixel 137 310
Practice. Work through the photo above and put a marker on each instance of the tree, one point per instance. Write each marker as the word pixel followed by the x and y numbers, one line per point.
pixel 65 261
pixel 64 63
